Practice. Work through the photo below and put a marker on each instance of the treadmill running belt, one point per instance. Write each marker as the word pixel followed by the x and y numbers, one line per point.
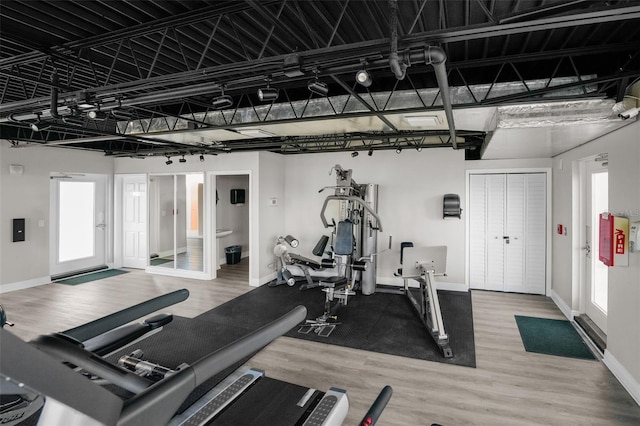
pixel 267 402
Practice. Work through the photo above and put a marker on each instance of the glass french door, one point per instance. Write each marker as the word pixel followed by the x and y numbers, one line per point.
pixel 78 222
pixel 596 180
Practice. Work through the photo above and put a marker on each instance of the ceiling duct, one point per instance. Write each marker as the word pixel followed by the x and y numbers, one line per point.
pixel 399 70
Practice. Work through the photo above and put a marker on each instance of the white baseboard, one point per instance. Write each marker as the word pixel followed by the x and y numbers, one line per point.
pixel 263 280
pixel 623 376
pixel 21 285
pixel 566 310
pixel 617 369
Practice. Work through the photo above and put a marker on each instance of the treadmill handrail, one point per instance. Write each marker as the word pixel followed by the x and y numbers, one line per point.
pixel 159 402
pixel 374 412
pixel 94 328
pixel 354 199
pixel 212 364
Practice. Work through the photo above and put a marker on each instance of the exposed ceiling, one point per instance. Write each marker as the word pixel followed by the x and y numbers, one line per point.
pixel 160 77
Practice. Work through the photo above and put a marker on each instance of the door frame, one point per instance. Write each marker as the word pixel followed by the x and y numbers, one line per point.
pixel 584 172
pixel 105 260
pixel 118 222
pixel 548 177
pixel 253 245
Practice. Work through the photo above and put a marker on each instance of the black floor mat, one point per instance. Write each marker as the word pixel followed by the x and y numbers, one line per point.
pixel 381 322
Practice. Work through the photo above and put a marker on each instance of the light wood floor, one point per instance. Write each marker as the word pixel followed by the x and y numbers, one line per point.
pixel 508 387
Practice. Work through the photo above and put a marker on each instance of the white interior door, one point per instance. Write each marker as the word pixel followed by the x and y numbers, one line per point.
pixel 596 201
pixel 134 221
pixel 79 222
pixel 507 235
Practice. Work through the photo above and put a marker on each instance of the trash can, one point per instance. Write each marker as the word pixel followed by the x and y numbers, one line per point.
pixel 233 254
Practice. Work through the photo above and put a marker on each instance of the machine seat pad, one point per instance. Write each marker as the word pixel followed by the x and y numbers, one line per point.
pixel 335 281
pixel 301 260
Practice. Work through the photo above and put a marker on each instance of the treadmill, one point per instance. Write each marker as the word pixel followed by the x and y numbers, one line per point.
pixel 70 372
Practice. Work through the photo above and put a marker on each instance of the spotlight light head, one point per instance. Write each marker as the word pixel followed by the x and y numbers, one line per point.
pixel 267 94
pixel 318 87
pixel 370 153
pixel 419 148
pixel 168 162
pixel 182 160
pixel 39 126
pixel 97 115
pixel 222 102
pixel 630 113
pixel 398 150
pixel 363 78
pixel 201 157
pixel 355 153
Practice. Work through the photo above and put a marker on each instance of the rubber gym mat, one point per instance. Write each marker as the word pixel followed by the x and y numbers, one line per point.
pixel 382 322
pixel 81 279
pixel 552 337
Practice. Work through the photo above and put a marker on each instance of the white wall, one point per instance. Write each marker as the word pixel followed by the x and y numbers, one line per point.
pixel 623 324
pixel 272 217
pixel 27 196
pixel 410 199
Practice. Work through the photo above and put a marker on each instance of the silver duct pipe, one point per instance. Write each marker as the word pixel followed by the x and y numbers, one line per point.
pixel 399 70
pixel 437 58
pixel 54 96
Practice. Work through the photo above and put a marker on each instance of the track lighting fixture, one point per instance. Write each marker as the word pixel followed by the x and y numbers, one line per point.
pixel 201 157
pixel 355 153
pixel 318 87
pixel 182 160
pixel 223 101
pixel 267 94
pixel 39 126
pixel 398 150
pixel 97 115
pixel 370 153
pixel 419 148
pixel 168 162
pixel 363 78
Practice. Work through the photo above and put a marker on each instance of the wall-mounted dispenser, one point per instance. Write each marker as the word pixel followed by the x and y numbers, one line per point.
pixel 18 230
pixel 237 196
pixel 451 206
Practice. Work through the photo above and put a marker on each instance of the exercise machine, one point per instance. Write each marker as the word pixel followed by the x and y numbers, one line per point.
pixel 70 378
pixel 422 264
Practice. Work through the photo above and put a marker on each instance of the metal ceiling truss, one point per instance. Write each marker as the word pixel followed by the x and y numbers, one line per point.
pixel 160 76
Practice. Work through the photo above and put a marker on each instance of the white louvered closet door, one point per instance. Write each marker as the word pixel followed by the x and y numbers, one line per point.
pixel 507 243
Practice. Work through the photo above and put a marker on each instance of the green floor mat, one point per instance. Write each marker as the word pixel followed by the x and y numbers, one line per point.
pixel 552 337
pixel 81 279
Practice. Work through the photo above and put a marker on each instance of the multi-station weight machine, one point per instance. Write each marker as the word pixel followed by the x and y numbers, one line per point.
pixel 352 260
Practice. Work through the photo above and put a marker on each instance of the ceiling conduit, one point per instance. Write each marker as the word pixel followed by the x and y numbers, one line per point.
pixel 434 56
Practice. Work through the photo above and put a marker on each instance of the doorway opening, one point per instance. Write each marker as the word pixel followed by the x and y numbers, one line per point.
pixel 594 181
pixel 79 224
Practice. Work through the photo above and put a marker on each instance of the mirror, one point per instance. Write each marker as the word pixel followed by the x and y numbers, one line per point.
pixel 176 221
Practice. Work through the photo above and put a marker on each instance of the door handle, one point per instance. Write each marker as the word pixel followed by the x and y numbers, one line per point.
pixel 101 226
pixel 506 238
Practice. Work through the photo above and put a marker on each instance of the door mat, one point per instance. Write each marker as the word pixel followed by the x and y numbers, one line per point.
pixel 81 279
pixel 552 337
